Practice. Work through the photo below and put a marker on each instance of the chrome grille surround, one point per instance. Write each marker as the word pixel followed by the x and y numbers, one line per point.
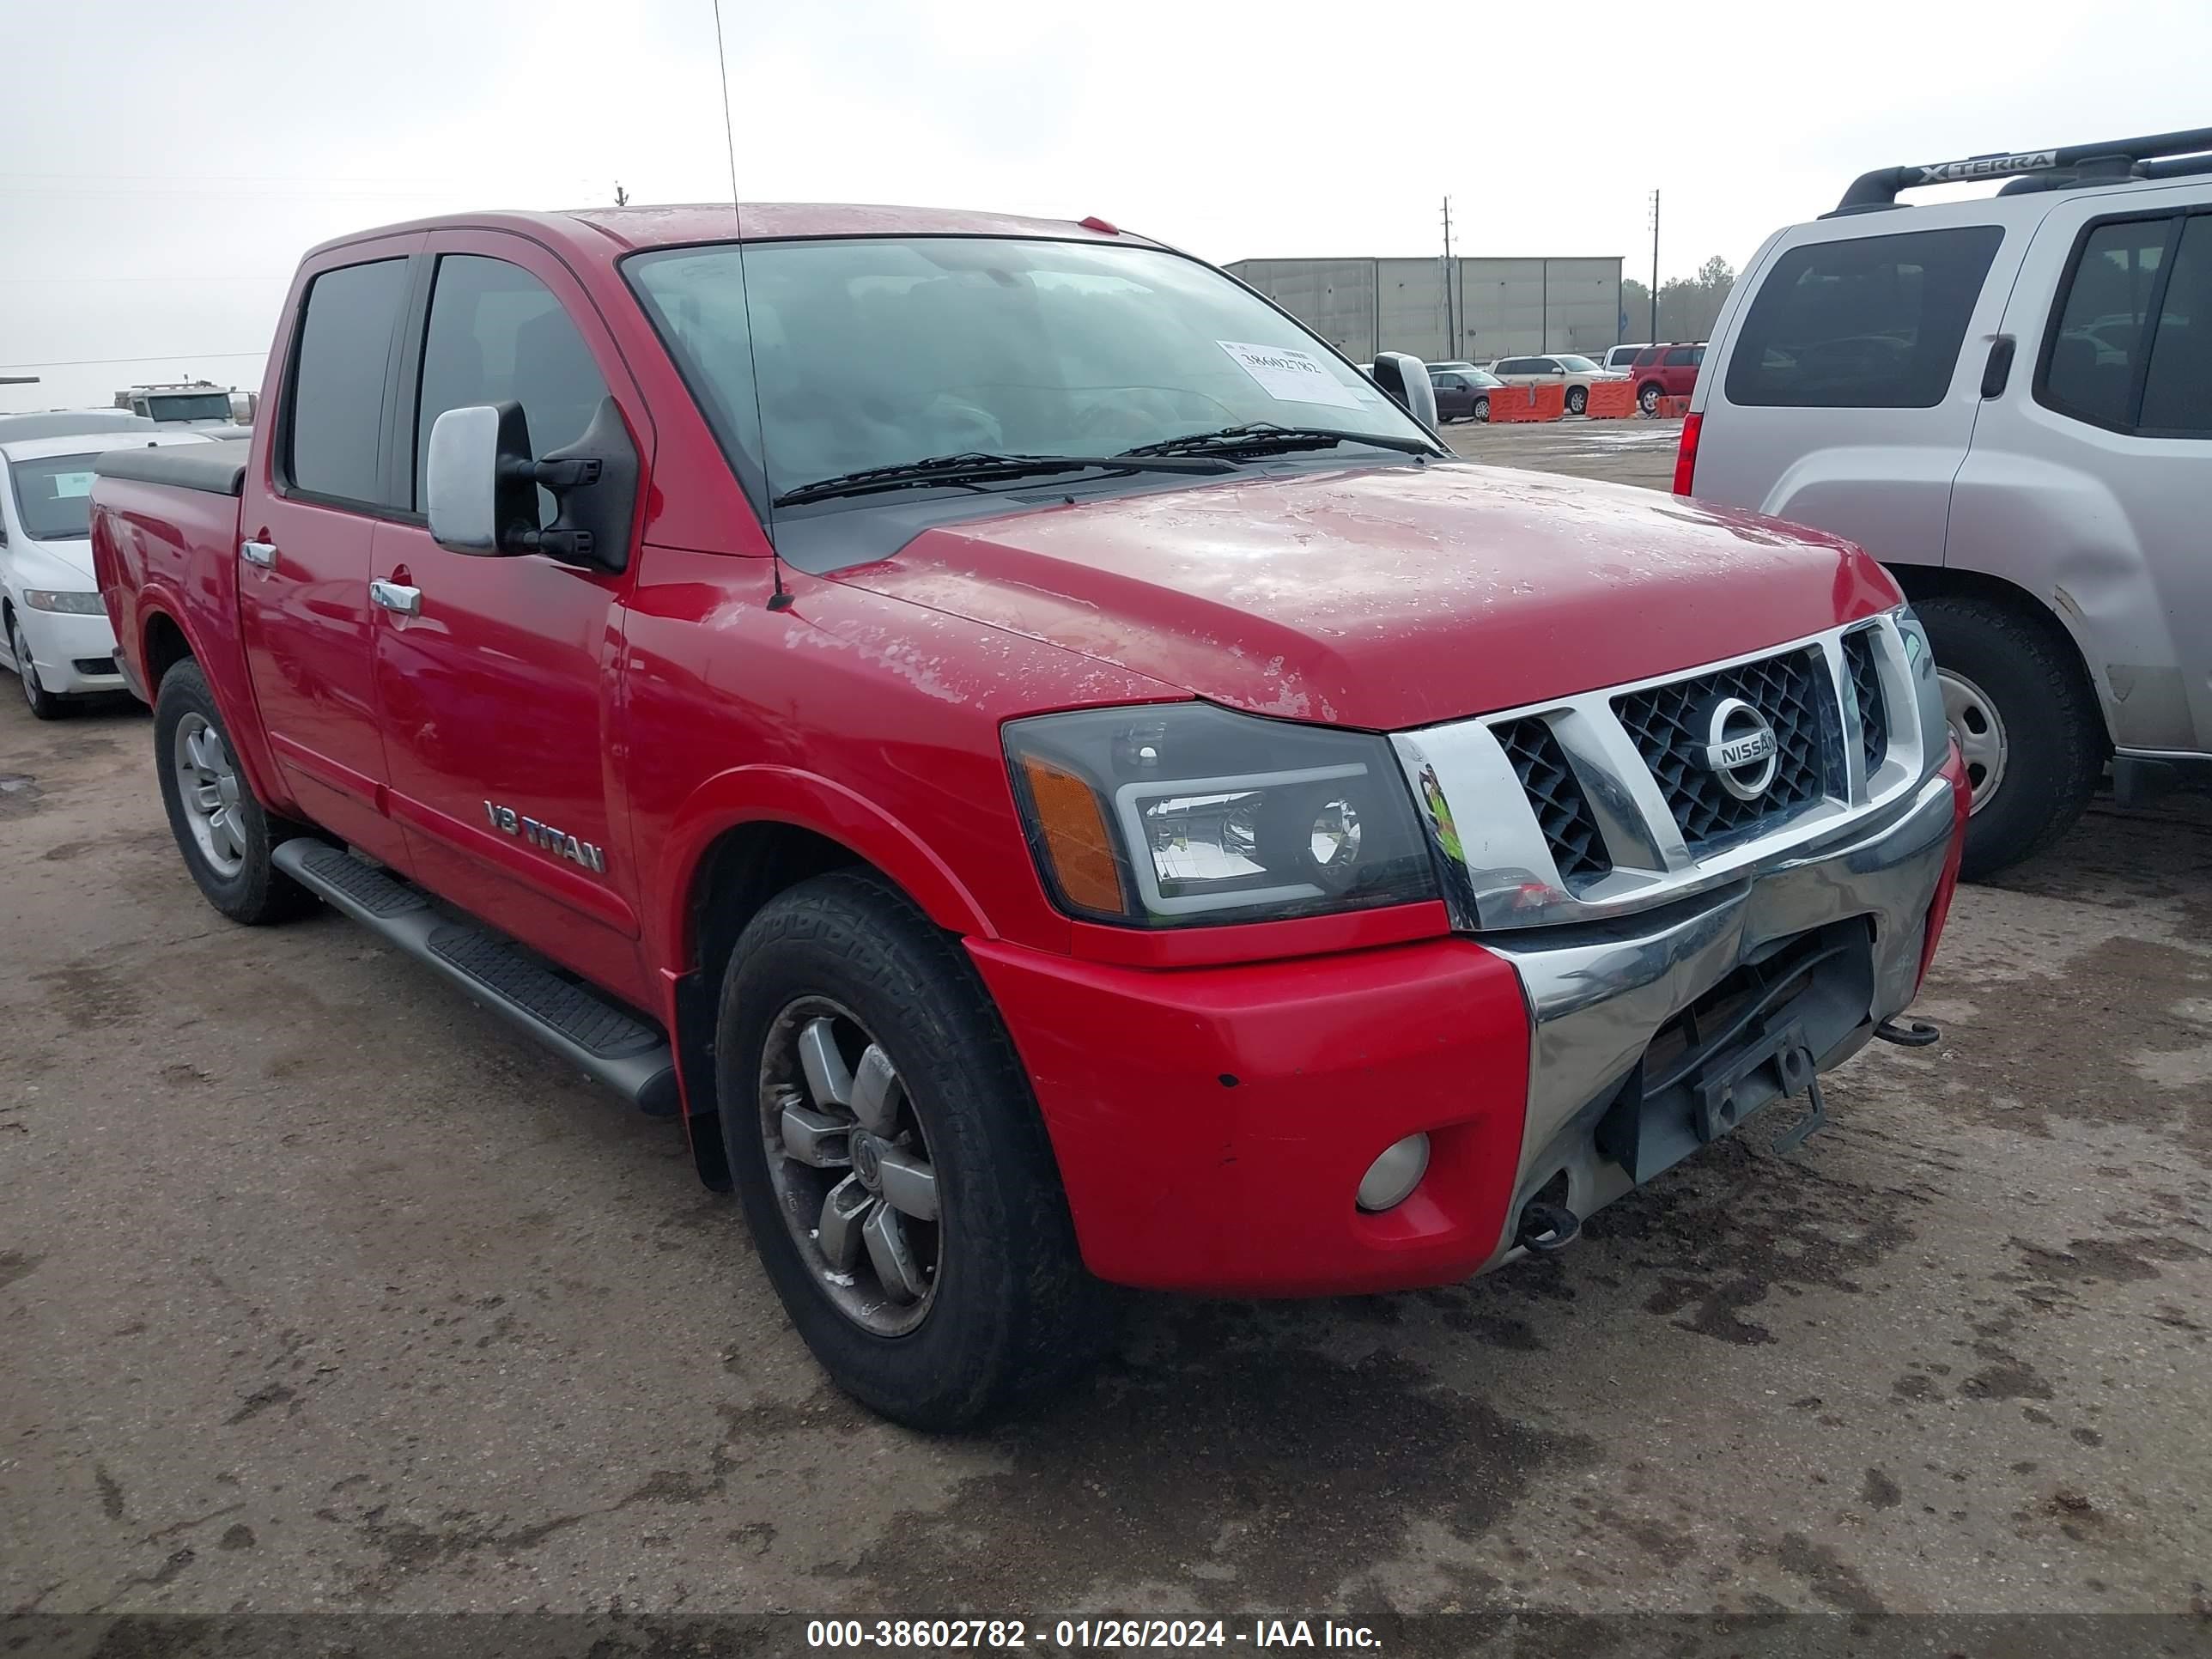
pixel 1501 869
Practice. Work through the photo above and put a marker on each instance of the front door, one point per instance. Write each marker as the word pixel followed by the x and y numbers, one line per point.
pixel 499 686
pixel 306 520
pixel 2091 470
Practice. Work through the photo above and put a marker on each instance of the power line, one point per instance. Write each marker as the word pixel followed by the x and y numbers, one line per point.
pixel 146 357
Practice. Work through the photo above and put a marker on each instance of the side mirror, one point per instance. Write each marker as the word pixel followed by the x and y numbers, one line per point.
pixel 1405 379
pixel 473 488
pixel 480 487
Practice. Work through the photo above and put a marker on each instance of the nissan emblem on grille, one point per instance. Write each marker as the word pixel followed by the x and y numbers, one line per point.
pixel 1740 749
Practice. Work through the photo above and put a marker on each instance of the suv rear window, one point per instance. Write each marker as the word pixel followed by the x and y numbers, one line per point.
pixel 1870 323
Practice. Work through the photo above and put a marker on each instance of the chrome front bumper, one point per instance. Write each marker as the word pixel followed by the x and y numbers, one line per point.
pixel 1600 993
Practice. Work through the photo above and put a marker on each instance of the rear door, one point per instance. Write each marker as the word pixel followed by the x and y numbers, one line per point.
pixel 1844 392
pixel 2091 470
pixel 500 688
pixel 308 517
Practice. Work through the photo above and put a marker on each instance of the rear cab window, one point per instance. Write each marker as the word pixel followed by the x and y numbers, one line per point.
pixel 1869 322
pixel 2131 343
pixel 335 414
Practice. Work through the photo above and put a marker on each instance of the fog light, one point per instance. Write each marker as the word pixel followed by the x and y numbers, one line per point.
pixel 1391 1178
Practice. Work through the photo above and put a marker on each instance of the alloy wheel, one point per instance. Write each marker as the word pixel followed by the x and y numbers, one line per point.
pixel 1980 733
pixel 208 787
pixel 850 1166
pixel 26 672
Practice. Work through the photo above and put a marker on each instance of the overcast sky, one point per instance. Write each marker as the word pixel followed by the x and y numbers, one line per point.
pixel 162 165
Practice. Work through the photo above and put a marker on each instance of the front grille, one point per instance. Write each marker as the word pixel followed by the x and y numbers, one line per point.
pixel 1667 723
pixel 1866 687
pixel 1556 795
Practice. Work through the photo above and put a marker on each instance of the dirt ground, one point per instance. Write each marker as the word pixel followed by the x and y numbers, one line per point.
pixel 320 1291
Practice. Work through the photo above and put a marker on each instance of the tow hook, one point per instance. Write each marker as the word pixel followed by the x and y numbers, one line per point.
pixel 1909 1034
pixel 1546 1227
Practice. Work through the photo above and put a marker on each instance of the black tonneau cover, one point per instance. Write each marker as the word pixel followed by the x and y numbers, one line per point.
pixel 218 468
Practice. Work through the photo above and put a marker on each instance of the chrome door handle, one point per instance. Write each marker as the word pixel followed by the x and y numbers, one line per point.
pixel 404 601
pixel 261 553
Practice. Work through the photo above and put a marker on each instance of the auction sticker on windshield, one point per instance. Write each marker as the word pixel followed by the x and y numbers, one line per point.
pixel 1291 375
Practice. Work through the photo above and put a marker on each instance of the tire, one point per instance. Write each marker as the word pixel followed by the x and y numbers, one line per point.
pixel 251 890
pixel 2007 675
pixel 45 705
pixel 1481 411
pixel 1578 399
pixel 1647 397
pixel 1009 1311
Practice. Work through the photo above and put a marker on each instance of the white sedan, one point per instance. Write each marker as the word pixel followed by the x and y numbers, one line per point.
pixel 54 631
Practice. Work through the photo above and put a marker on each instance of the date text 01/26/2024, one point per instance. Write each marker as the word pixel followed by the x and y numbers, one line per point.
pixel 937 1634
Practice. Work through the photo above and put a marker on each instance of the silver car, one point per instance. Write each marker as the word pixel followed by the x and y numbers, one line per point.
pixel 2007 400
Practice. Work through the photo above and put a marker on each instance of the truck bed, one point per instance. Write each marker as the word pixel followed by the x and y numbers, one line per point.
pixel 219 469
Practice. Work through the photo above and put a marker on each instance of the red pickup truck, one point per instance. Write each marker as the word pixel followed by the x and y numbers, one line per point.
pixel 1053 776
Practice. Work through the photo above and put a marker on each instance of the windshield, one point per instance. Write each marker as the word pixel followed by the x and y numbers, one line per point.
pixel 878 353
pixel 1578 365
pixel 53 496
pixel 198 407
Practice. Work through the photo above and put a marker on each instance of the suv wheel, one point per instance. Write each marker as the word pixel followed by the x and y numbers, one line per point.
pixel 221 829
pixel 2028 727
pixel 1578 399
pixel 1647 397
pixel 45 705
pixel 891 1160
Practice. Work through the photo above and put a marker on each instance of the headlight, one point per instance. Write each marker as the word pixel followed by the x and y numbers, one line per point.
pixel 1183 813
pixel 1927 690
pixel 70 604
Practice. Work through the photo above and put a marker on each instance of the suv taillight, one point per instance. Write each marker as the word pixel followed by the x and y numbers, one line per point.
pixel 1685 456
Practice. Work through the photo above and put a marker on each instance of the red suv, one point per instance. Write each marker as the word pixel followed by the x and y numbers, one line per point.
pixel 1666 371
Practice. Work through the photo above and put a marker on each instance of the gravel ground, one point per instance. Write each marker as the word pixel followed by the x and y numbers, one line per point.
pixel 320 1290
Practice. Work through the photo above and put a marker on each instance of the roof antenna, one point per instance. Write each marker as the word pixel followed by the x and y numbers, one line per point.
pixel 780 600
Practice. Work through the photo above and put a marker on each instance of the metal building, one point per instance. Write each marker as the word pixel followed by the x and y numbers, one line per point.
pixel 1470 308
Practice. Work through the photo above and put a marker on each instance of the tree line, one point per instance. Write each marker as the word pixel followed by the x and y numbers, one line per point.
pixel 1688 306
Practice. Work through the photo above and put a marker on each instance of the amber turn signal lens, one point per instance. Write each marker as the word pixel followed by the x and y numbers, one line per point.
pixel 1075 836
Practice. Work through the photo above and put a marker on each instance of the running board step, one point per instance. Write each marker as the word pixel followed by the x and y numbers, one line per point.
pixel 592 1034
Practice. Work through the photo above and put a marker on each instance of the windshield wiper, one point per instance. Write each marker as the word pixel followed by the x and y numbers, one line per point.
pixel 979 467
pixel 1267 438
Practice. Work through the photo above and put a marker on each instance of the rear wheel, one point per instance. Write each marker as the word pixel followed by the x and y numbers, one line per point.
pixel 221 829
pixel 2025 721
pixel 891 1162
pixel 1578 399
pixel 45 705
pixel 1647 397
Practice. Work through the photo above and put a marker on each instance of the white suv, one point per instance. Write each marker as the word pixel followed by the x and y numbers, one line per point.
pixel 2008 401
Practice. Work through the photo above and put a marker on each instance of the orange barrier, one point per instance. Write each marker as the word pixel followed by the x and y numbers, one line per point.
pixel 1528 403
pixel 1671 409
pixel 1611 400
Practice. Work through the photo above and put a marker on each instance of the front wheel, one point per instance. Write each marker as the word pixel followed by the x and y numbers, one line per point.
pixel 221 828
pixel 1578 399
pixel 2025 723
pixel 891 1162
pixel 45 705
pixel 1482 409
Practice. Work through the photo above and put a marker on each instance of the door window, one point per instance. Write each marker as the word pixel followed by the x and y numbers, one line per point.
pixel 496 334
pixel 338 369
pixel 1872 322
pixel 2132 346
pixel 1682 357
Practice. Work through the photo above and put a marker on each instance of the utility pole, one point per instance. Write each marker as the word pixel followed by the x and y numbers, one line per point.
pixel 1451 335
pixel 621 195
pixel 1655 265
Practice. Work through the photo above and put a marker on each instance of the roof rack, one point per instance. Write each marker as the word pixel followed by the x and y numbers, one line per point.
pixel 2050 169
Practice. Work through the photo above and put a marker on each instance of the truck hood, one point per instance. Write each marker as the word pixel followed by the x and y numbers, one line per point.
pixel 1393 596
